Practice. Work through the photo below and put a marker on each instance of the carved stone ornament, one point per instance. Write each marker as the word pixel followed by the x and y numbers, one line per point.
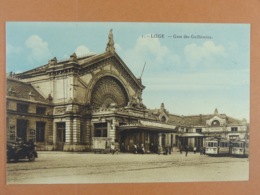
pixel 59 110
pixel 53 61
pixel 110 45
pixel 136 101
pixel 73 57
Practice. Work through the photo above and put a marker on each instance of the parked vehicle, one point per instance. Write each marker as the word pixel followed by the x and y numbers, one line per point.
pixel 218 147
pixel 221 147
pixel 240 148
pixel 101 145
pixel 20 150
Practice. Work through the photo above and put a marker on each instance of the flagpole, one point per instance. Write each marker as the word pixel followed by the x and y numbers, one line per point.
pixel 143 70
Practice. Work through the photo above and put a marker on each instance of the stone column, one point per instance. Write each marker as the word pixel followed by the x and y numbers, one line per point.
pixel 113 130
pixel 54 135
pixel 68 131
pixel 88 132
pixel 109 126
pixel 76 131
pixel 160 139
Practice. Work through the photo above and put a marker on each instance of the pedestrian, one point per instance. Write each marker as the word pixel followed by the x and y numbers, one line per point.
pixel 135 149
pixel 112 148
pixel 186 150
pixel 201 150
pixel 159 149
pixel 180 149
pixel 194 149
pixel 142 149
pixel 204 150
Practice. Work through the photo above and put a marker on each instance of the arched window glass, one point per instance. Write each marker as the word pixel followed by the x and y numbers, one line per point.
pixel 163 119
pixel 215 123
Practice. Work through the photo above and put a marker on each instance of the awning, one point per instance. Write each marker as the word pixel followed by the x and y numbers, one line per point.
pixel 149 126
pixel 191 135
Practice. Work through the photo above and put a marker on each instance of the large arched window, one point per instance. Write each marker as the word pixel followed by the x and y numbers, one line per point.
pixel 108 90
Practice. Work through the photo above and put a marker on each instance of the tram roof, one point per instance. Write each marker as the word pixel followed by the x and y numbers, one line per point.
pixel 191 135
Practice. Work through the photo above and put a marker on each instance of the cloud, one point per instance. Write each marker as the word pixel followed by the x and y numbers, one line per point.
pixel 10 49
pixel 150 50
pixel 82 50
pixel 39 49
pixel 118 47
pixel 199 81
pixel 205 54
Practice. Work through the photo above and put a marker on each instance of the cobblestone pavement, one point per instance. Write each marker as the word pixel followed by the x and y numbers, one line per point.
pixel 65 167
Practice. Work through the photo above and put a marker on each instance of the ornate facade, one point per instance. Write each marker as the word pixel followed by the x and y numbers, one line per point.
pixel 63 105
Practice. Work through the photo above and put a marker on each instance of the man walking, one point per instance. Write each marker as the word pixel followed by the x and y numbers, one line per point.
pixel 186 150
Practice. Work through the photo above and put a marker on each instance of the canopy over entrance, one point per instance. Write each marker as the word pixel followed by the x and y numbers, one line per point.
pixel 149 126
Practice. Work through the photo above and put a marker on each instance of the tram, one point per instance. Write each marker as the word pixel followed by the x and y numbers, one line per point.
pixel 217 147
pixel 240 148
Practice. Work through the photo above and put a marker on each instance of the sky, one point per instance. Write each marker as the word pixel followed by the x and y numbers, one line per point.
pixel 193 68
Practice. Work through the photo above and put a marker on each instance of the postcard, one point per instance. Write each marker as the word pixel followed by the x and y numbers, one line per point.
pixel 127 102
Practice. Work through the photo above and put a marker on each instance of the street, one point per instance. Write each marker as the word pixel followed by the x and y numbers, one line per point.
pixel 68 167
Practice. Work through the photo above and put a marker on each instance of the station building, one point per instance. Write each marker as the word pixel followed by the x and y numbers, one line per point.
pixel 64 105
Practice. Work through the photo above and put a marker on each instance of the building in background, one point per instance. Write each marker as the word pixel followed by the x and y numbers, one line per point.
pixel 69 105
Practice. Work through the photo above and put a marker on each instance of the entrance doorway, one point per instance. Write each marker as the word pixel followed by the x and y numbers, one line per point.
pixel 22 129
pixel 154 142
pixel 61 135
pixel 199 142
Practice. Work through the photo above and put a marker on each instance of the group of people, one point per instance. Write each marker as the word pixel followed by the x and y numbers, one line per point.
pixel 138 149
pixel 113 149
pixel 187 148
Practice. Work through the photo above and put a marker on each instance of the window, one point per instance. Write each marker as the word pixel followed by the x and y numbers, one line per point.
pixel 163 119
pixel 100 130
pixel 23 108
pixel 224 144
pixel 82 133
pixel 215 123
pixel 233 129
pixel 40 131
pixel 198 130
pixel 98 133
pixel 61 132
pixel 212 144
pixel 40 110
